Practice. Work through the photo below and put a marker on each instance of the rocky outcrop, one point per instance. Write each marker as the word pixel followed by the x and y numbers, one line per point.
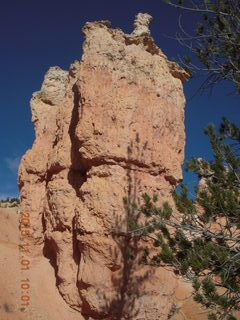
pixel 8 204
pixel 109 129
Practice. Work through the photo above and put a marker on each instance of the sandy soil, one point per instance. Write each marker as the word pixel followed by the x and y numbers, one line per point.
pixel 45 302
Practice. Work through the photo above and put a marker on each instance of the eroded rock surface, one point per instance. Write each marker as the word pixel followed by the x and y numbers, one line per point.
pixel 110 128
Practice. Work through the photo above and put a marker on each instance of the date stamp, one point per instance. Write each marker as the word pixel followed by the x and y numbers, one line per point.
pixel 24 255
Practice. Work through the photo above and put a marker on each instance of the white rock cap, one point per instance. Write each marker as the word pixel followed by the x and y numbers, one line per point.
pixel 141 24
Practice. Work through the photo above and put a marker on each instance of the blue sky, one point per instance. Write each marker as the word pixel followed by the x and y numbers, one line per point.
pixel 35 35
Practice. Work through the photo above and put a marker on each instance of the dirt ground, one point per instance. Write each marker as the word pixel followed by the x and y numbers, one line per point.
pixel 35 286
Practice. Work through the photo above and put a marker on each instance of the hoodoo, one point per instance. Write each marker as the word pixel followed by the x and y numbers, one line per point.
pixel 109 129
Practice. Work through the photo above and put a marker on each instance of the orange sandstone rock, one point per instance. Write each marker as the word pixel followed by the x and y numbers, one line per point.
pixel 111 127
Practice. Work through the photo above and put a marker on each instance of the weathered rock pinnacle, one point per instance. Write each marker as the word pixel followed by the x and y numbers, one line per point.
pixel 141 24
pixel 110 128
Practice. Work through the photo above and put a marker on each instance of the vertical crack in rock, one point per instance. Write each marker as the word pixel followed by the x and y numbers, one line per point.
pixel 77 172
pixel 109 129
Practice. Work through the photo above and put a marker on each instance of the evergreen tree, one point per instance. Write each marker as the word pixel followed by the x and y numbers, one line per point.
pixel 215 41
pixel 202 240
